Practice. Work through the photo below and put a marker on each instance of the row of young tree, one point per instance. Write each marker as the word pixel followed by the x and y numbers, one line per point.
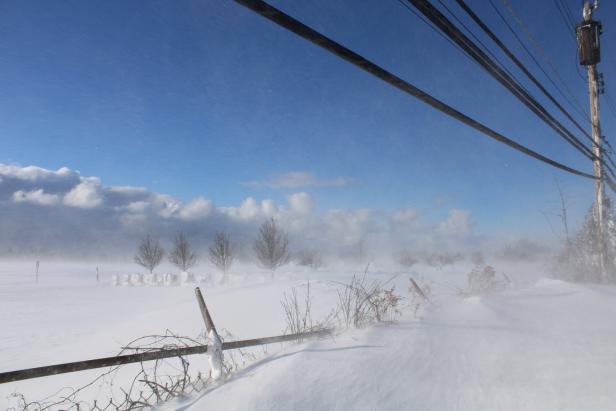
pixel 271 247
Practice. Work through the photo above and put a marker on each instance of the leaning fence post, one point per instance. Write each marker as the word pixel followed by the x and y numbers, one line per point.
pixel 418 290
pixel 214 349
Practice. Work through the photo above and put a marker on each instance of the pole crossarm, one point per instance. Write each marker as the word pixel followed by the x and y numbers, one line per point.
pixel 64 368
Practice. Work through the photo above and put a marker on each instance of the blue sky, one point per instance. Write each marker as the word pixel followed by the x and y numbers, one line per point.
pixel 197 98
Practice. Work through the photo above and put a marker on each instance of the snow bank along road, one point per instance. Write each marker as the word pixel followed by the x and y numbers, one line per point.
pixel 542 345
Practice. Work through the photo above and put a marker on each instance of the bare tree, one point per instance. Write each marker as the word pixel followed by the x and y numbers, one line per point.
pixel 271 245
pixel 149 254
pixel 181 255
pixel 222 253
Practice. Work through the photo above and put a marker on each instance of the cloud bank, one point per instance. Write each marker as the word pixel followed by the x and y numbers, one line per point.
pixel 60 212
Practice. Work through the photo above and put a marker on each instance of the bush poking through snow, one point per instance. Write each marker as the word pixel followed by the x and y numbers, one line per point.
pixel 406 259
pixel 298 313
pixel 149 254
pixel 485 280
pixel 310 258
pixel 238 359
pixel 361 303
pixel 439 261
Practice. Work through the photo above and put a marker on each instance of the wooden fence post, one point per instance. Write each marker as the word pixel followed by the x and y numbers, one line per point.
pixel 418 290
pixel 215 347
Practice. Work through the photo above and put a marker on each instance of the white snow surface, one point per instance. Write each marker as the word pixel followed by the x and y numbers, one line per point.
pixel 543 344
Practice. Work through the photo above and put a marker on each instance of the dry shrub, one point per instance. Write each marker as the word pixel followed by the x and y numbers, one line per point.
pixel 485 280
pixel 406 259
pixel 310 258
pixel 298 313
pixel 361 303
pixel 237 359
pixel 441 260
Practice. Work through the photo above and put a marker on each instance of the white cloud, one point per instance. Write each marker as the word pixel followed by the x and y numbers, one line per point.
pixel 33 173
pixel 78 211
pixel 165 205
pixel 135 207
pixel 348 226
pixel 405 216
pixel 252 210
pixel 458 222
pixel 301 203
pixel 86 194
pixel 35 197
pixel 196 209
pixel 299 179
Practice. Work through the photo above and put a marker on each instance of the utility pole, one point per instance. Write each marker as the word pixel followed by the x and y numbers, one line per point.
pixel 588 33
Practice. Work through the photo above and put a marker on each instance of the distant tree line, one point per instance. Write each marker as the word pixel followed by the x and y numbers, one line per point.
pixel 271 248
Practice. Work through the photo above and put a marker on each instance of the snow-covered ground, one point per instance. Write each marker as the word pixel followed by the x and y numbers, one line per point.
pixel 541 345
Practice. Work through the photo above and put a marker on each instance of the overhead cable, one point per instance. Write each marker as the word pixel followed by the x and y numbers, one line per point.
pixel 277 16
pixel 540 50
pixel 524 69
pixel 444 24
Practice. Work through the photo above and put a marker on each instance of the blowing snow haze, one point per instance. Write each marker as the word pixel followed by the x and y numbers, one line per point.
pixel 422 182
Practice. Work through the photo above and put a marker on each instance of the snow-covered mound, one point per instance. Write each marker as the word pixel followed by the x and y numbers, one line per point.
pixel 551 346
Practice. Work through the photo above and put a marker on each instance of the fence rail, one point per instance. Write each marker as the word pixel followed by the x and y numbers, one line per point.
pixel 45 371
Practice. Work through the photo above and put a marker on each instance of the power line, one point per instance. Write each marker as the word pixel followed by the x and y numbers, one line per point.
pixel 439 20
pixel 610 103
pixel 273 14
pixel 538 47
pixel 456 46
pixel 570 18
pixel 515 80
pixel 524 69
pixel 478 40
pixel 575 105
pixel 512 80
pixel 437 31
pixel 568 24
pixel 577 67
